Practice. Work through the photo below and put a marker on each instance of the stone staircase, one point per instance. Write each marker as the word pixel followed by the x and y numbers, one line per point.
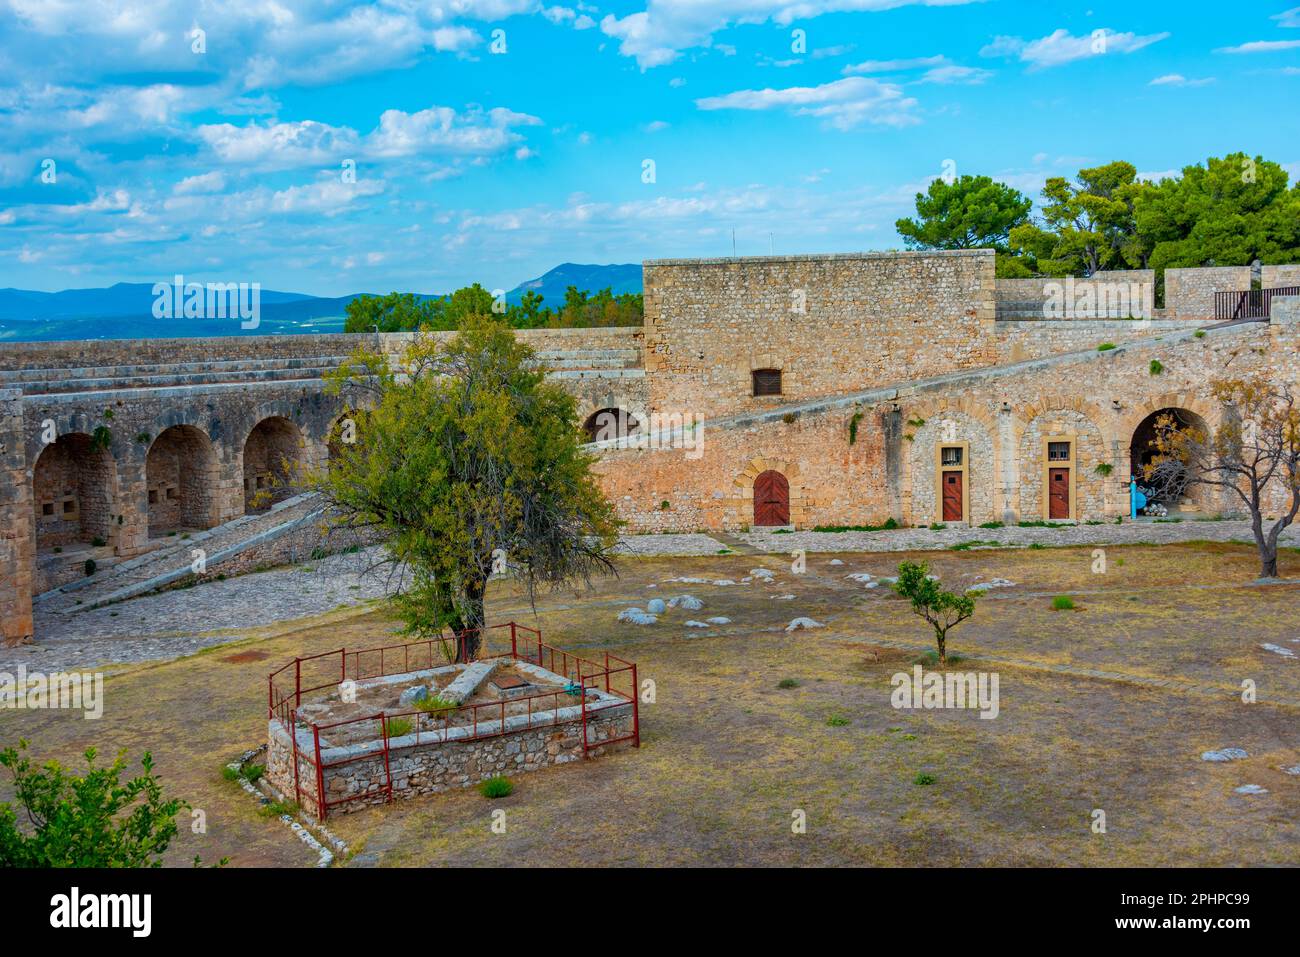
pixel 170 561
pixel 57 381
pixel 586 363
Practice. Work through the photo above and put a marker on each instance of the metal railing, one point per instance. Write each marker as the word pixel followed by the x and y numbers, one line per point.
pixel 309 674
pixel 1249 303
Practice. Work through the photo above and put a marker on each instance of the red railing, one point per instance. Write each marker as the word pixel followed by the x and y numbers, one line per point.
pixel 526 644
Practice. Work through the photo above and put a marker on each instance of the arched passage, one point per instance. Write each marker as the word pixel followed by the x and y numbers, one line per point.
pixel 73 489
pixel 771 499
pixel 272 456
pixel 611 423
pixel 180 477
pixel 1143 449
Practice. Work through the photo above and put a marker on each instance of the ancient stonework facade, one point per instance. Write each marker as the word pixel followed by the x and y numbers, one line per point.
pixel 824 390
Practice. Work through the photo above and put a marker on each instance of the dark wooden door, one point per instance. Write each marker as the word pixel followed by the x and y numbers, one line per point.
pixel 771 499
pixel 952 497
pixel 1058 492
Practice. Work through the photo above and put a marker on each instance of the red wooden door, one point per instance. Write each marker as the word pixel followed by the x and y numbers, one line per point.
pixel 771 499
pixel 952 497
pixel 1058 501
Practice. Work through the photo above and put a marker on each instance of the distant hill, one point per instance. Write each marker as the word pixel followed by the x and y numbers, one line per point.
pixel 125 310
pixel 620 277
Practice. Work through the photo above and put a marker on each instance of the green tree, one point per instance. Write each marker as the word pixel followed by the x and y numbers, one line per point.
pixel 1228 212
pixel 1088 225
pixel 971 212
pixel 943 610
pixel 469 458
pixel 396 312
pixel 93 820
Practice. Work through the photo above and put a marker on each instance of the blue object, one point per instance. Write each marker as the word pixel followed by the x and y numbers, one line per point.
pixel 1137 498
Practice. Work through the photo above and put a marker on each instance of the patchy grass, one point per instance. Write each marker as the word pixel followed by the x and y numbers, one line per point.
pixel 497 787
pixel 726 755
pixel 1062 603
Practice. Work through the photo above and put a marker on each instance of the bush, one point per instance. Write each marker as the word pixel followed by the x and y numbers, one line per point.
pixel 1063 603
pixel 1156 367
pixel 1198 334
pixel 93 820
pixel 992 525
pixel 923 780
pixel 497 787
pixel 435 704
pixel 399 726
pixel 1106 347
pixel 89 567
pixel 787 683
pixel 836 721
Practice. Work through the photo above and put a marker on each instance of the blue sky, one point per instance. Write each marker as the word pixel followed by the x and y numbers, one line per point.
pixel 132 148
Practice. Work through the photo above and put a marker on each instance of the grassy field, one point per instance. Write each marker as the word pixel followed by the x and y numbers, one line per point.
pixel 729 756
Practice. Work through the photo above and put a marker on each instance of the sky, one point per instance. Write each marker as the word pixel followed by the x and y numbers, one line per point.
pixel 331 147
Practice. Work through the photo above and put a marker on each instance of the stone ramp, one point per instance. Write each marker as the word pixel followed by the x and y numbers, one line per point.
pixel 172 561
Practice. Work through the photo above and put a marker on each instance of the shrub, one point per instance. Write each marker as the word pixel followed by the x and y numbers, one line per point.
pixel 433 704
pixel 398 727
pixel 1103 468
pixel 94 820
pixel 1156 367
pixel 836 721
pixel 923 780
pixel 787 683
pixel 1106 347
pixel 1198 334
pixel 942 610
pixel 89 567
pixel 937 526
pixel 1062 603
pixel 497 787
pixel 98 542
pixel 992 525
pixel 252 773
pixel 665 505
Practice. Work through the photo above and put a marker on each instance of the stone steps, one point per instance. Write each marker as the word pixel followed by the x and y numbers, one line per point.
pixel 62 381
pixel 172 559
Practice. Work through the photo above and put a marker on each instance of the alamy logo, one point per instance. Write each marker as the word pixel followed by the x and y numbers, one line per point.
pixel 214 300
pixel 1098 299
pixel 946 689
pixel 72 910
pixel 35 691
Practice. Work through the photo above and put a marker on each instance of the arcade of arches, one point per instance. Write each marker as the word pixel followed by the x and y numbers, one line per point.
pixel 272 456
pixel 180 479
pixel 1143 450
pixel 73 487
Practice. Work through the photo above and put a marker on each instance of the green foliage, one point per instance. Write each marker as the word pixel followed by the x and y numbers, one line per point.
pixel 942 609
pixel 1156 367
pixel 89 567
pixel 837 721
pixel 923 780
pixel 407 312
pixel 92 820
pixel 991 525
pixel 937 526
pixel 889 526
pixel 101 438
pixel 853 427
pixel 1062 603
pixel 971 212
pixel 1106 347
pixel 1103 468
pixel 787 683
pixel 497 787
pixel 397 727
pixel 470 452
pixel 434 704
pixel 1198 334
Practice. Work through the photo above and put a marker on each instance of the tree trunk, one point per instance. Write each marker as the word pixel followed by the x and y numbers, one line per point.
pixel 469 631
pixel 1268 563
pixel 942 639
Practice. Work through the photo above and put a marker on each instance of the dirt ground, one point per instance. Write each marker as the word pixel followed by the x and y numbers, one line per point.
pixel 729 759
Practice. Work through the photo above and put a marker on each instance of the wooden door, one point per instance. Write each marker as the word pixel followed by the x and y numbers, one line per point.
pixel 1058 493
pixel 771 499
pixel 952 497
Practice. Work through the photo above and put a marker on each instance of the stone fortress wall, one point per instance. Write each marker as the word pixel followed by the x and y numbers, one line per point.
pixel 113 449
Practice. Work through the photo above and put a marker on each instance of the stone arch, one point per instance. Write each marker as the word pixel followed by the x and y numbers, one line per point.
pixel 1142 450
pixel 74 491
pixel 1080 422
pixel 973 425
pixel 181 478
pixel 343 429
pixel 798 497
pixel 273 459
pixel 613 422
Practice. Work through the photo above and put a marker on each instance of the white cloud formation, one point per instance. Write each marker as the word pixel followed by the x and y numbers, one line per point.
pixel 842 104
pixel 213 182
pixel 1288 18
pixel 658 34
pixel 1261 46
pixel 1060 46
pixel 1177 79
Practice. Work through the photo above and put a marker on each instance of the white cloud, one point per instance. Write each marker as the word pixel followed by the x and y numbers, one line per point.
pixel 441 129
pixel 656 126
pixel 1261 46
pixel 658 34
pixel 937 69
pixel 1288 18
pixel 843 104
pixel 1177 79
pixel 1060 46
pixel 894 66
pixel 280 145
pixel 213 182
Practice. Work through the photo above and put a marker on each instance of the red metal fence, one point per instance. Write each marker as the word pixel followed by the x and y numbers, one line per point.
pixel 307 675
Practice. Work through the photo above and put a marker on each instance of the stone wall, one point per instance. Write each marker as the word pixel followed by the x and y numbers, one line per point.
pixel 830 324
pixel 1020 339
pixel 17 546
pixel 1114 294
pixel 1276 277
pixel 99 353
pixel 433 766
pixel 1189 293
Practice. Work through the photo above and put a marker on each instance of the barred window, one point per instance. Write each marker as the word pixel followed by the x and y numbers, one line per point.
pixel 951 455
pixel 767 382
pixel 1058 451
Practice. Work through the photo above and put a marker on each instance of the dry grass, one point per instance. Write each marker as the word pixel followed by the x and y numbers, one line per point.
pixel 728 756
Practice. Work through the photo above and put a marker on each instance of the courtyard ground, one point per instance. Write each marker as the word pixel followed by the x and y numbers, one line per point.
pixel 1105 707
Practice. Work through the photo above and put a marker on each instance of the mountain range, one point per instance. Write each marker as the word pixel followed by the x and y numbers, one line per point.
pixel 125 310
